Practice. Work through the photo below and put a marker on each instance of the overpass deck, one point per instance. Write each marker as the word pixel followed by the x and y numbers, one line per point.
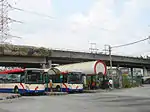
pixel 34 55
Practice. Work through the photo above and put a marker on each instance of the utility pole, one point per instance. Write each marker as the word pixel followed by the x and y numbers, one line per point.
pixel 110 58
pixel 110 61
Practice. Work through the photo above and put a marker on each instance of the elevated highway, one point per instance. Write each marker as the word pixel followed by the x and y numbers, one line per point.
pixel 12 55
pixel 59 56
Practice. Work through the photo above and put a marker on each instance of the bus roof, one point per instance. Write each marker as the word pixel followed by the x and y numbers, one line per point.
pixel 17 70
pixel 33 69
pixel 46 70
pixel 12 71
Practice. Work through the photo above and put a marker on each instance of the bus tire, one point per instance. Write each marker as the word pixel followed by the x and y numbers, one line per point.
pixel 16 89
pixel 58 88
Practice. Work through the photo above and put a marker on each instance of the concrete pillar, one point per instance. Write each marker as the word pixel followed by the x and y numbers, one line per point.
pixel 132 75
pixel 43 66
pixel 120 77
pixel 49 64
pixel 145 73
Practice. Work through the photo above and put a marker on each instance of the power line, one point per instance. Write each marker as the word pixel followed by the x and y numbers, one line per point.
pixel 123 45
pixel 32 12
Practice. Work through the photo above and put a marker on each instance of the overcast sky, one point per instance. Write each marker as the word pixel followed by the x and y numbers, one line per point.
pixel 77 23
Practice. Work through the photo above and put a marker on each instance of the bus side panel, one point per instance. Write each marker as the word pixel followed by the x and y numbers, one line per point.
pixel 65 87
pixel 35 88
pixel 75 87
pixel 72 87
pixel 5 89
pixel 55 85
pixel 9 87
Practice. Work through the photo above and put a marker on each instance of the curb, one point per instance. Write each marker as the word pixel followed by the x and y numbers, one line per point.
pixel 11 97
pixel 56 93
pixel 93 91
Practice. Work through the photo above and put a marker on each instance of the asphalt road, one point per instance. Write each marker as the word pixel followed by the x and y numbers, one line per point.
pixel 128 100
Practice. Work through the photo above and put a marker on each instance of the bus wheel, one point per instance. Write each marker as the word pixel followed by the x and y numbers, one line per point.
pixel 16 89
pixel 58 89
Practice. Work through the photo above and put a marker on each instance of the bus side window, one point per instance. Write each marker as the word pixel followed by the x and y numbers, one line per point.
pixel 2 79
pixel 46 78
pixel 56 79
pixel 64 78
pixel 22 78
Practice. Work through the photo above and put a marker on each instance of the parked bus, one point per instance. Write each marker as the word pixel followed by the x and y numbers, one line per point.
pixel 23 81
pixel 95 72
pixel 64 81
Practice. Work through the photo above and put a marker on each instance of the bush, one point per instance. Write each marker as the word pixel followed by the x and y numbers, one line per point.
pixel 126 82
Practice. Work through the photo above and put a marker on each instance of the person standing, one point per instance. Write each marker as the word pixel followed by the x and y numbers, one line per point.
pixel 51 84
pixel 110 83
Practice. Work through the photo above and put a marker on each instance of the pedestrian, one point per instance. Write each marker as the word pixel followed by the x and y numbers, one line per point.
pixel 141 81
pixel 110 83
pixel 93 85
pixel 51 84
pixel 106 84
pixel 89 85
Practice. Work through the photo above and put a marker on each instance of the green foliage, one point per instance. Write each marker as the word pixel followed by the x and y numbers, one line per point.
pixel 43 51
pixel 9 49
pixel 126 82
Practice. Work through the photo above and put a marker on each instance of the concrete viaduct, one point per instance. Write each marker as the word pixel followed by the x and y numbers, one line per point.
pixel 28 56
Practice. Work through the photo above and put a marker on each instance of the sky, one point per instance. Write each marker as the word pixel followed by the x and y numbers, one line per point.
pixel 74 24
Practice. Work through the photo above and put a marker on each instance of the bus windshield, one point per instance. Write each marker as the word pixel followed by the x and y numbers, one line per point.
pixel 74 78
pixel 34 76
pixel 10 78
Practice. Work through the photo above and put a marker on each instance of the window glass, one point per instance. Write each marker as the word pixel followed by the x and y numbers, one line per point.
pixel 34 76
pixel 74 78
pixel 10 78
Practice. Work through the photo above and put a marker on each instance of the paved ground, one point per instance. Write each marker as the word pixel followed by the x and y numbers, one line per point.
pixel 128 100
pixel 4 96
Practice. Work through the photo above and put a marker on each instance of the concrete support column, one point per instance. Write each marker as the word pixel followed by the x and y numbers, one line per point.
pixel 120 76
pixel 132 74
pixel 145 73
pixel 49 64
pixel 43 66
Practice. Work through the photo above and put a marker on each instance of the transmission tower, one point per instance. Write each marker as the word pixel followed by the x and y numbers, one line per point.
pixel 93 48
pixel 4 22
pixel 4 29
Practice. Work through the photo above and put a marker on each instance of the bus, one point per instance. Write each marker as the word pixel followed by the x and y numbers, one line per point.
pixel 90 75
pixel 64 81
pixel 22 81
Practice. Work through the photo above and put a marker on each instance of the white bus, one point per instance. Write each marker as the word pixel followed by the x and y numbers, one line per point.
pixel 23 81
pixel 64 81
